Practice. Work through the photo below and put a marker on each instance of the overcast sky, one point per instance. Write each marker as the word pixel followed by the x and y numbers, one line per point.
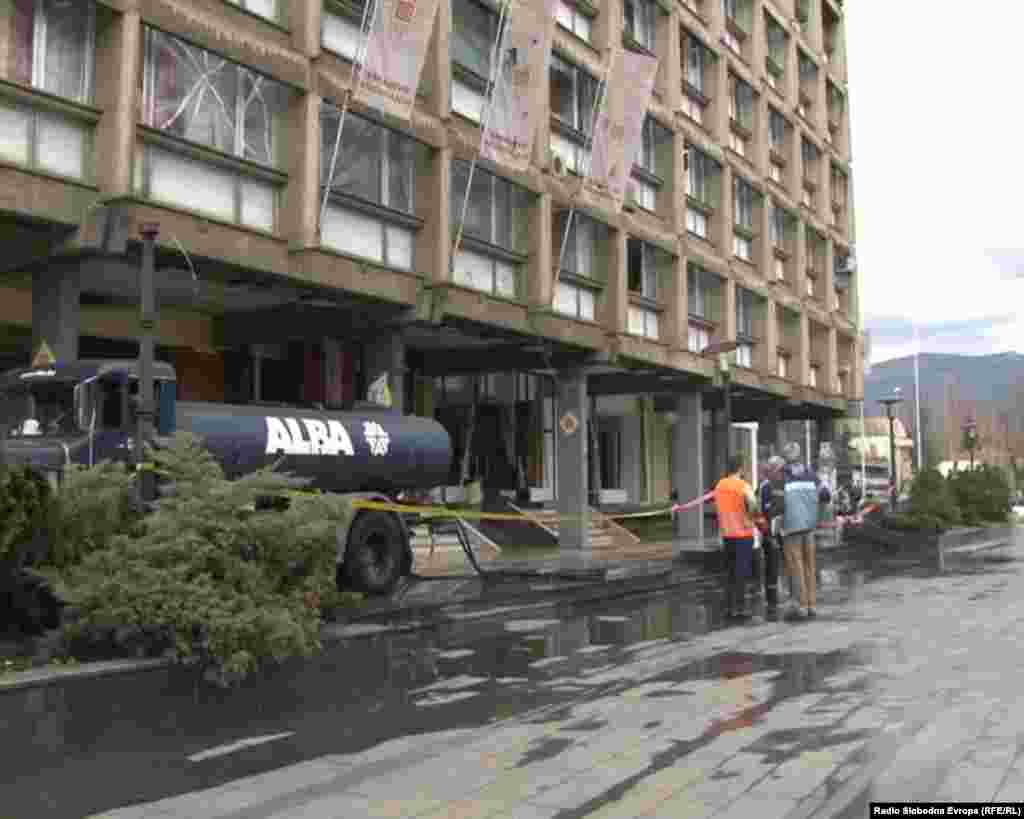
pixel 938 173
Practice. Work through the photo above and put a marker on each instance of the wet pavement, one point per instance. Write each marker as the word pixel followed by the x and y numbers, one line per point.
pixel 646 706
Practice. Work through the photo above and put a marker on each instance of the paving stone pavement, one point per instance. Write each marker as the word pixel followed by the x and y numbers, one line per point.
pixel 906 689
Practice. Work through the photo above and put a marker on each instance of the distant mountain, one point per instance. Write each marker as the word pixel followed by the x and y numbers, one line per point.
pixel 997 380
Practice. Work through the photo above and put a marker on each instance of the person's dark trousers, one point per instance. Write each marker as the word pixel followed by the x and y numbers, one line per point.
pixel 739 560
pixel 772 558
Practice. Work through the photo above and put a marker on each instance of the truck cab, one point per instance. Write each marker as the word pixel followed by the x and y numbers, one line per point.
pixel 82 413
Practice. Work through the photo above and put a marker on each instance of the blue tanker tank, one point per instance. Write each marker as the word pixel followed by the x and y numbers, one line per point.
pixel 83 413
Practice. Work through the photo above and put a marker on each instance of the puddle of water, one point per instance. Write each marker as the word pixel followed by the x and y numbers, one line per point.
pixel 137 732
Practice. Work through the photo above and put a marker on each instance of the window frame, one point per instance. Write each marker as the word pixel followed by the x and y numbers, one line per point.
pixel 497 249
pixel 40 46
pixel 741 117
pixel 244 6
pixel 576 13
pixel 697 293
pixel 384 157
pixel 597 232
pixel 744 203
pixel 238 151
pixel 382 211
pixel 651 23
pixel 745 315
pixel 649 269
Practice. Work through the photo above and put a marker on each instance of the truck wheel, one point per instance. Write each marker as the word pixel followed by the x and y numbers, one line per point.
pixel 373 557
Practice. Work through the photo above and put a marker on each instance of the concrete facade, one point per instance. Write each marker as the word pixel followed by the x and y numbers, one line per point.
pixel 740 210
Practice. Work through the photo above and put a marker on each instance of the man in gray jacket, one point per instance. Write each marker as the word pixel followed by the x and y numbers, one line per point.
pixel 804 492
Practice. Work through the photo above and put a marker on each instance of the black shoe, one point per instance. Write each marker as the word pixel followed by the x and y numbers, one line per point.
pixel 811 614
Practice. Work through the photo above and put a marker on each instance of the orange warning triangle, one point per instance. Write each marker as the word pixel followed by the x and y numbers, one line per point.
pixel 44 356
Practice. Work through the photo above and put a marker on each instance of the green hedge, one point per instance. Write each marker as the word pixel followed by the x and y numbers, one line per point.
pixel 212 577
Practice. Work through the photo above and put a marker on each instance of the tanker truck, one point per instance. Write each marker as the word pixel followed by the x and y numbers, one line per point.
pixel 83 413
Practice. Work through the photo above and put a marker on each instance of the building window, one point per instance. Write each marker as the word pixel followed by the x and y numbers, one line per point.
pixel 573 97
pixel 642 282
pixel 698 338
pixel 638 22
pixel 776 131
pixel 836 107
pixel 653 163
pixel 745 355
pixel 808 83
pixel 494 234
pixel 697 296
pixel 572 299
pixel 812 376
pixel 744 314
pixel 474 31
pixel 811 157
pixel 339 27
pixel 200 97
pixel 196 95
pixel 585 246
pixel 264 8
pixel 741 113
pixel 839 188
pixel 52 49
pixel 775 60
pixel 783 366
pixel 775 171
pixel 574 20
pixel 54 44
pixel 696 62
pixel 373 190
pixel 743 234
pixel 582 265
pixel 738 23
pixel 703 176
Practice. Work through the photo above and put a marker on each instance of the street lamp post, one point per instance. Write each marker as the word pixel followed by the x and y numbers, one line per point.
pixel 970 441
pixel 145 410
pixel 721 350
pixel 889 403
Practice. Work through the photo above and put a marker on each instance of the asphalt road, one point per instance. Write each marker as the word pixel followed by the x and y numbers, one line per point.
pixel 903 688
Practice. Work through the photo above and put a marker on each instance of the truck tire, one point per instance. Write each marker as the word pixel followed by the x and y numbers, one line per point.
pixel 374 556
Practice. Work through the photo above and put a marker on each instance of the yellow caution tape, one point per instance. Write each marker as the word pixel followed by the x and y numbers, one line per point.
pixel 446 512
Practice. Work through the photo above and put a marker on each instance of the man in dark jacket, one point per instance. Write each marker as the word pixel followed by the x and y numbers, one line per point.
pixel 804 492
pixel 771 499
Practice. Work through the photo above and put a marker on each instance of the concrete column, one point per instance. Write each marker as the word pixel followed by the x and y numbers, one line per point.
pixel 118 57
pixel 437 70
pixel 727 328
pixel 304 22
pixel 800 260
pixel 540 268
pixel 300 214
pixel 386 354
pixel 616 298
pixel 670 75
pixel 433 202
pixel 571 430
pixel 719 430
pixel 56 313
pixel 766 258
pixel 770 339
pixel 769 432
pixel 718 122
pixel 804 363
pixel 724 215
pixel 828 274
pixel 688 464
pixel 675 321
pixel 831 358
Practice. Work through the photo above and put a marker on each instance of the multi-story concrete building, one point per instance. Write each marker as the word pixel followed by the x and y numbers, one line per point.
pixel 216 120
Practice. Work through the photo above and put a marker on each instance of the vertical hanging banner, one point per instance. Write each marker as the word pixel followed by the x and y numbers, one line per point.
pixel 619 126
pixel 520 82
pixel 396 47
